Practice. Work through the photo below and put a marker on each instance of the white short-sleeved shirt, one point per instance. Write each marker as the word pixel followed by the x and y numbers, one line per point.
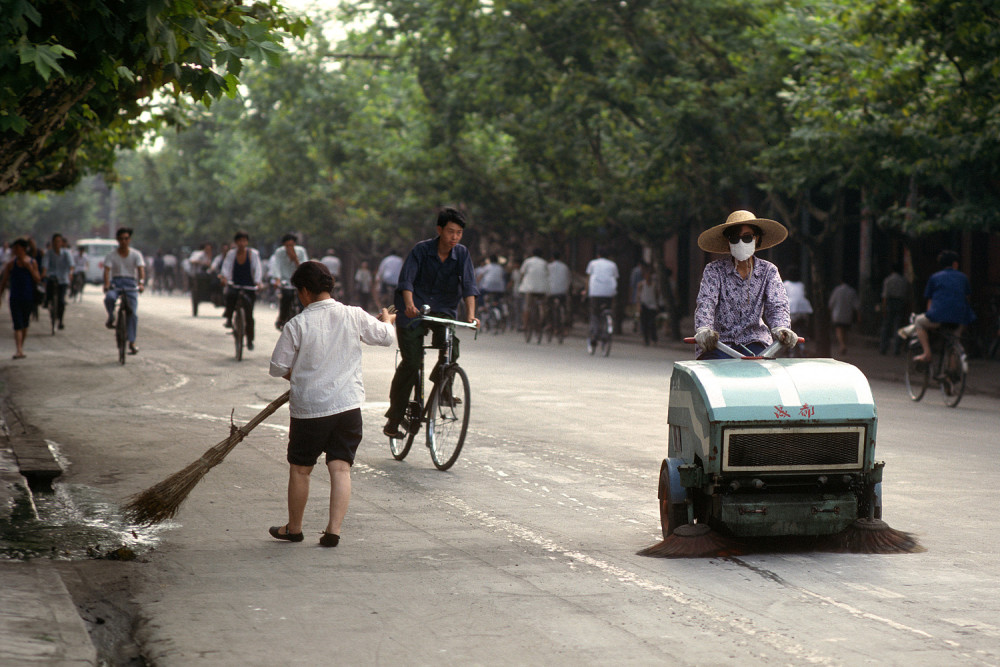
pixel 534 276
pixel 321 346
pixel 124 267
pixel 560 278
pixel 603 278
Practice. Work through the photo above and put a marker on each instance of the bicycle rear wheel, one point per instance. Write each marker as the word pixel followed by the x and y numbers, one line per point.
pixel 239 329
pixel 954 369
pixel 609 329
pixel 917 374
pixel 121 334
pixel 448 417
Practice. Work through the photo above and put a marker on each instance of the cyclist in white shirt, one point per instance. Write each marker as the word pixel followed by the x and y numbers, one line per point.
pixel 602 286
pixel 534 284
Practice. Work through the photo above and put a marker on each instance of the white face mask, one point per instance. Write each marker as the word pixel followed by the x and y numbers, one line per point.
pixel 742 251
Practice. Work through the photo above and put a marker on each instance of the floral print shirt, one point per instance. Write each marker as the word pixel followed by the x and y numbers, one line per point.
pixel 742 311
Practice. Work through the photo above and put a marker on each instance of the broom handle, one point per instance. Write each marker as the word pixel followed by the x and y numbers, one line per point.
pixel 265 413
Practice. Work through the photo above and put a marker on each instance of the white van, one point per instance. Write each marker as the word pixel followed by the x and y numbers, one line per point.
pixel 97 250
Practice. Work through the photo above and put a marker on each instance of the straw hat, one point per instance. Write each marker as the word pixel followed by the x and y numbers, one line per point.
pixel 714 239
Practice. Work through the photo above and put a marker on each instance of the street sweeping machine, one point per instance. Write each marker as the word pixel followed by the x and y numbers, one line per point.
pixel 760 447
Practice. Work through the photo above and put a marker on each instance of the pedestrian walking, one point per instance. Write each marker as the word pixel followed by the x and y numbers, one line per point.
pixel 844 311
pixel 895 295
pixel 22 274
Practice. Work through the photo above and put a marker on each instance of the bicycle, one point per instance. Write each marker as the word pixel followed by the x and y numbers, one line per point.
pixel 121 326
pixel 242 314
pixel 535 324
pixel 446 413
pixel 556 325
pixel 76 286
pixel 496 313
pixel 605 331
pixel 948 361
pixel 290 296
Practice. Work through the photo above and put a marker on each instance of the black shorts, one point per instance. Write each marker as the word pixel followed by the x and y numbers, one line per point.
pixel 337 435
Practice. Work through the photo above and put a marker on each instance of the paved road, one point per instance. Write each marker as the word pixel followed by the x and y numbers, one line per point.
pixel 525 551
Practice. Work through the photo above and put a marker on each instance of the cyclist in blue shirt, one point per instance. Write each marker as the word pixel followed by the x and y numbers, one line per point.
pixel 438 272
pixel 947 295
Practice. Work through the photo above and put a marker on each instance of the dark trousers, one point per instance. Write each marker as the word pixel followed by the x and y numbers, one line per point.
pixel 647 322
pixel 289 297
pixel 411 350
pixel 55 297
pixel 598 304
pixel 231 295
pixel 893 319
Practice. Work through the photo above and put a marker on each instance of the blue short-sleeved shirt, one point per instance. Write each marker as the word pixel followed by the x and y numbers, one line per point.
pixel 948 291
pixel 439 284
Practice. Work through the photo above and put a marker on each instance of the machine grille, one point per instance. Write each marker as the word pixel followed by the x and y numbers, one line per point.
pixel 840 448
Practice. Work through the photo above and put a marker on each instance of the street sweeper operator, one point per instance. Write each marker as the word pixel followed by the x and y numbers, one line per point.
pixel 319 352
pixel 741 301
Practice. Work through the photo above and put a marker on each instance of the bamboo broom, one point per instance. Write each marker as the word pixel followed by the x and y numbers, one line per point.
pixel 161 501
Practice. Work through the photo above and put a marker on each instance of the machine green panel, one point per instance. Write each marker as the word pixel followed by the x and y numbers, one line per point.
pixel 767 515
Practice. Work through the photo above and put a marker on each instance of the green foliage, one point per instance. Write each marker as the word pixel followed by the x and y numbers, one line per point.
pixel 80 79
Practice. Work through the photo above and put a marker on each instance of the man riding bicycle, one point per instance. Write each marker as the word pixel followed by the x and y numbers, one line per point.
pixel 947 295
pixel 439 273
pixel 602 286
pixel 241 268
pixel 283 264
pixel 57 271
pixel 534 286
pixel 560 282
pixel 124 271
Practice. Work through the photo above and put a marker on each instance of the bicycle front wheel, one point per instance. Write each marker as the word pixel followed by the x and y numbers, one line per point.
pixel 954 370
pixel 121 335
pixel 239 330
pixel 917 374
pixel 448 417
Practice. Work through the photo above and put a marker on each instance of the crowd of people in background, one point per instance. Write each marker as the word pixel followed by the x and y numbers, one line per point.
pixel 51 275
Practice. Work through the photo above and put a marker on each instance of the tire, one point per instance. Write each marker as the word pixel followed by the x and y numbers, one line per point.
pixel 609 327
pixel 400 447
pixel 561 323
pixel 917 376
pixel 194 303
pixel 121 335
pixel 447 423
pixel 239 329
pixel 671 514
pixel 954 369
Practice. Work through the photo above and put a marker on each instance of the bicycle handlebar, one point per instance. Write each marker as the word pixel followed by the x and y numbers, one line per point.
pixel 443 320
pixel 768 352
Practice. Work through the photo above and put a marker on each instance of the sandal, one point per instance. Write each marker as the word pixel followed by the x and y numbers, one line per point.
pixel 290 537
pixel 132 349
pixel 329 540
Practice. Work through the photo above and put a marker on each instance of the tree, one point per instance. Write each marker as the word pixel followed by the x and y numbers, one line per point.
pixel 81 78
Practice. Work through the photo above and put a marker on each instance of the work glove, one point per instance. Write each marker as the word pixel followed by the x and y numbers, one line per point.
pixel 785 336
pixel 706 338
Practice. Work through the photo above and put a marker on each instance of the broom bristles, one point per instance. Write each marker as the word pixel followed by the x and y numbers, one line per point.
pixel 864 536
pixel 162 501
pixel 693 541
pixel 872 536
